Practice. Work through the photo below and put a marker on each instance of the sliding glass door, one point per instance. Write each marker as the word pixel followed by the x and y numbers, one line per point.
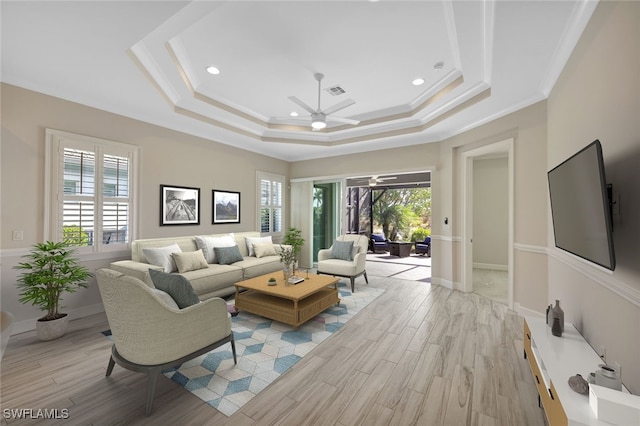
pixel 326 208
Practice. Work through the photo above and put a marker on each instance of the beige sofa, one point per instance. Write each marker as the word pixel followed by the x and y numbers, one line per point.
pixel 214 281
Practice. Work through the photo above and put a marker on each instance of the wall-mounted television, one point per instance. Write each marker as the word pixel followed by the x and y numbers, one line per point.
pixel 581 207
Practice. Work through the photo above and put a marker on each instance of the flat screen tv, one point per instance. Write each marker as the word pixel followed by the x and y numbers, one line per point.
pixel 581 207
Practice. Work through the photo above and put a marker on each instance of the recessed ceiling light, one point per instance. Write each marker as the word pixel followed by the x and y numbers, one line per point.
pixel 418 82
pixel 213 70
pixel 438 66
pixel 293 114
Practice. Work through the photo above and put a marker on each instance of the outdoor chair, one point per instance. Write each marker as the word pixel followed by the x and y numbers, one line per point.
pixel 151 334
pixel 340 263
pixel 424 247
pixel 379 243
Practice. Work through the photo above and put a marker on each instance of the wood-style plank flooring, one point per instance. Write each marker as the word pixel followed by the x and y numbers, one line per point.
pixel 418 355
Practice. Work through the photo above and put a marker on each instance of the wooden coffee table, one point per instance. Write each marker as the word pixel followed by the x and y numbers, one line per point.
pixel 290 304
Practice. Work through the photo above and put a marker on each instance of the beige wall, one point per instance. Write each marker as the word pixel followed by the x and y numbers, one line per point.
pixel 167 157
pixel 598 97
pixel 490 212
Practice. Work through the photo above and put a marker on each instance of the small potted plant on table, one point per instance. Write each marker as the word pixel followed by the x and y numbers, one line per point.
pixel 50 272
pixel 289 256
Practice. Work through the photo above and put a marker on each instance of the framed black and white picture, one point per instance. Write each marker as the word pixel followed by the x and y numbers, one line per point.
pixel 179 205
pixel 226 206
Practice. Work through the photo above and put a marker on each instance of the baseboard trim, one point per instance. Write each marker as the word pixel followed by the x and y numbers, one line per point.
pixel 491 266
pixel 522 311
pixel 74 314
pixel 442 282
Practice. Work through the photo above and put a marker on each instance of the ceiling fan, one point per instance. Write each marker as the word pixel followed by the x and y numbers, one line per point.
pixel 374 180
pixel 318 116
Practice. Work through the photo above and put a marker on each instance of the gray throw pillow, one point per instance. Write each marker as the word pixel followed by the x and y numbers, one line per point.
pixel 228 255
pixel 178 287
pixel 342 250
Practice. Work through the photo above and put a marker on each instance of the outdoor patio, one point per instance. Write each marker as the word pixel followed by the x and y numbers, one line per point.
pixel 415 267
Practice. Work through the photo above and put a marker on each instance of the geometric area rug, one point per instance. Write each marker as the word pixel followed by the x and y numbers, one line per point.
pixel 265 350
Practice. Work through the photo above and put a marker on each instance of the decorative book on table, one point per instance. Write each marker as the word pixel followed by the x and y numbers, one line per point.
pixel 295 280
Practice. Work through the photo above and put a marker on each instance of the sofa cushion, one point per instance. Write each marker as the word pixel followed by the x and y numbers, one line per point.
pixel 206 243
pixel 342 250
pixel 264 249
pixel 252 240
pixel 161 256
pixel 378 238
pixel 178 287
pixel 254 267
pixel 215 280
pixel 228 255
pixel 338 267
pixel 190 261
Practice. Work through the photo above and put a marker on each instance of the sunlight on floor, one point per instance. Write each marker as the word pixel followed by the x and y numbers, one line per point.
pixel 413 268
pixel 491 283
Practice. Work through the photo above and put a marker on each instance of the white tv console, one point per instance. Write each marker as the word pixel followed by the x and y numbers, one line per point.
pixel 553 361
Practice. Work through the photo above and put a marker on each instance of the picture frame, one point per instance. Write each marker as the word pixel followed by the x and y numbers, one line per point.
pixel 225 206
pixel 179 205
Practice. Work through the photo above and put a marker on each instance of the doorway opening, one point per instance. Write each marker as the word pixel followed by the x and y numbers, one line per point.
pixel 396 208
pixel 488 221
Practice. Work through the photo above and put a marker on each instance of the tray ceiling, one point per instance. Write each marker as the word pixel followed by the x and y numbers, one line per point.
pixel 147 60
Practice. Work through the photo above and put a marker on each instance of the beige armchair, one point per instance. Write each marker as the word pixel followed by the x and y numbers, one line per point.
pixel 6 324
pixel 150 335
pixel 352 269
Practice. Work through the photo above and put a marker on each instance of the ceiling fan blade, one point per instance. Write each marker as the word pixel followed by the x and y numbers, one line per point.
pixel 343 120
pixel 339 106
pixel 302 104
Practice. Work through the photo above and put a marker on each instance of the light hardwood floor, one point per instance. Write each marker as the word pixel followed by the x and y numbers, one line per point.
pixel 418 355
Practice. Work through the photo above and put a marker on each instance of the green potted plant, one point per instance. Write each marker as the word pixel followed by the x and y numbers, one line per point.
pixel 50 271
pixel 293 237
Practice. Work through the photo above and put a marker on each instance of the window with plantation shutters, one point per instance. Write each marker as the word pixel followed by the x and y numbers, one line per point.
pixel 271 203
pixel 90 195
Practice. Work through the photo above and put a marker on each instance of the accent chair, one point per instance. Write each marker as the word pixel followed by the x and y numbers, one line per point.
pixel 379 243
pixel 6 324
pixel 339 262
pixel 151 334
pixel 424 247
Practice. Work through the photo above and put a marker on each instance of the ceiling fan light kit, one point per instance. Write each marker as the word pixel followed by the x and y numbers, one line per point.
pixel 318 116
pixel 318 121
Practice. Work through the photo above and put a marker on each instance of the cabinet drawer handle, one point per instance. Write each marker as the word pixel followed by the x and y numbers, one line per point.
pixel 551 394
pixel 537 379
pixel 528 336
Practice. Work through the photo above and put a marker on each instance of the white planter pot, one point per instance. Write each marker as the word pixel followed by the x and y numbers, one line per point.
pixel 49 330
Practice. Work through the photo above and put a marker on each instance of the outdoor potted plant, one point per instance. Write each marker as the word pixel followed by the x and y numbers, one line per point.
pixel 50 271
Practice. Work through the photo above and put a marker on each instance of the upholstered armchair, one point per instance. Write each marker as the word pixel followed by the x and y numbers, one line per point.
pixel 423 247
pixel 340 263
pixel 6 324
pixel 151 334
pixel 379 243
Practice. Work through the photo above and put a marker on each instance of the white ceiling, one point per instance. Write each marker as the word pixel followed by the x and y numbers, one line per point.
pixel 146 60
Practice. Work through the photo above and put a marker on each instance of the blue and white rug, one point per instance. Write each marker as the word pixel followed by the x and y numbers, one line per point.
pixel 265 349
